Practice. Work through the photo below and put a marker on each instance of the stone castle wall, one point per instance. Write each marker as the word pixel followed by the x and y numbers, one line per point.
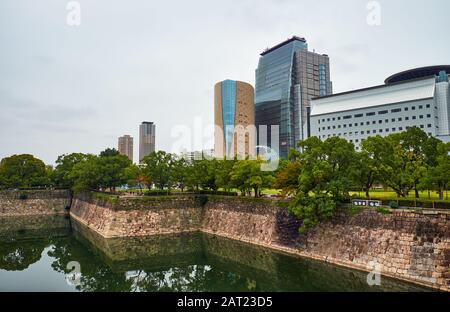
pixel 256 221
pixel 413 246
pixel 35 202
pixel 33 226
pixel 138 217
pixel 406 244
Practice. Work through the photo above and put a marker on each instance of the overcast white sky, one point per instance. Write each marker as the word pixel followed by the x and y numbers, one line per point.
pixel 76 89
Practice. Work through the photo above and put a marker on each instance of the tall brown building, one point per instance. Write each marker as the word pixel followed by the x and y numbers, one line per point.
pixel 126 146
pixel 234 118
pixel 146 139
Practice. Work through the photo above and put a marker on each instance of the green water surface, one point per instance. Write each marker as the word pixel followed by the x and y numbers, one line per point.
pixel 35 253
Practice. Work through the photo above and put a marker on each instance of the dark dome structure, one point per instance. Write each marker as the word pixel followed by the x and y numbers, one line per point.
pixel 416 73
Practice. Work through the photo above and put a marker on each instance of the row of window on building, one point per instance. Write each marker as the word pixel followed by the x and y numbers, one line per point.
pixel 374 122
pixel 368 132
pixel 382 112
pixel 374 131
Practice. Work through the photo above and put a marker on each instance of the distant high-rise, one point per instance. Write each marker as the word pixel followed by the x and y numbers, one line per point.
pixel 126 146
pixel 287 77
pixel 234 118
pixel 146 139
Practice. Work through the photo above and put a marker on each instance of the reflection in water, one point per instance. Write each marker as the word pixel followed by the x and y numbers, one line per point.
pixel 185 262
pixel 15 253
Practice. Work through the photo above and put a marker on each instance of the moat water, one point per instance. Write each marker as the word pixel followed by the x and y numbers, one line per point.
pixel 54 254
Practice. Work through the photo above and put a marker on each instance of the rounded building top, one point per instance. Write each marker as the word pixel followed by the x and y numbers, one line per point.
pixel 416 73
pixel 236 82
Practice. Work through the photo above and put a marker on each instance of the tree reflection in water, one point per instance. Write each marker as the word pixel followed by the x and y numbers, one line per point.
pixel 17 256
pixel 151 277
pixel 23 239
pixel 187 262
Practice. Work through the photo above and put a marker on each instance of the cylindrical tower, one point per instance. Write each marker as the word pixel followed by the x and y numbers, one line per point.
pixel 234 118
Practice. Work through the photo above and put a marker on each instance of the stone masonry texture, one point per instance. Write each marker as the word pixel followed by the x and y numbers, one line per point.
pixel 409 245
pixel 36 202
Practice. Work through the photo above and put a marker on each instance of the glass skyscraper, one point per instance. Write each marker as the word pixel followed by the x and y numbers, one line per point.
pixel 287 77
pixel 228 94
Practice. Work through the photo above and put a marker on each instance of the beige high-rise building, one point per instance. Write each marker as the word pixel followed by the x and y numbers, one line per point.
pixel 126 146
pixel 146 139
pixel 234 119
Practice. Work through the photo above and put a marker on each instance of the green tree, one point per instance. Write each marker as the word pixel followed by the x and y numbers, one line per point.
pixel 202 173
pixel 137 177
pixel 208 170
pixel 395 171
pixel 368 163
pixel 417 151
pixel 113 171
pixel 85 175
pixel 180 172
pixel 158 168
pixel 100 173
pixel 437 177
pixel 312 209
pixel 223 173
pixel 327 166
pixel 193 176
pixel 404 160
pixel 287 175
pixel 132 174
pixel 23 171
pixel 247 175
pixel 109 152
pixel 64 166
pixel 325 178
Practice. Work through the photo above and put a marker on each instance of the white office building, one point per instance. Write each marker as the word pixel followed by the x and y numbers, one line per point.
pixel 197 155
pixel 414 98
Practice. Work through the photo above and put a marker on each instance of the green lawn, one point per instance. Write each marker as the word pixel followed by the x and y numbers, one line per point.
pixel 380 194
pixel 270 192
pixel 374 194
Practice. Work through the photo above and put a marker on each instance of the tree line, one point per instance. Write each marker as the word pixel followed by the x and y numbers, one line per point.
pixel 322 173
pixel 317 176
pixel 110 170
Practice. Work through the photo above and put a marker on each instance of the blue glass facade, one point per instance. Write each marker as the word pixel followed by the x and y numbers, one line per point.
pixel 442 77
pixel 287 78
pixel 228 89
pixel 274 80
